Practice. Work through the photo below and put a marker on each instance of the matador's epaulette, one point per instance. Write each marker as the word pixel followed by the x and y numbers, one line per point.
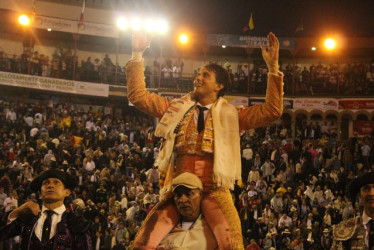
pixel 345 229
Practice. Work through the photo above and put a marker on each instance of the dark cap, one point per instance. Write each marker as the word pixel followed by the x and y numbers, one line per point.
pixel 355 185
pixel 69 181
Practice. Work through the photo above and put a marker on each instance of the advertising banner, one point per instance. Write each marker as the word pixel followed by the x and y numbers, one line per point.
pixel 237 100
pixel 71 26
pixel 287 104
pixel 363 128
pixel 171 96
pixel 52 84
pixel 356 104
pixel 321 104
pixel 248 41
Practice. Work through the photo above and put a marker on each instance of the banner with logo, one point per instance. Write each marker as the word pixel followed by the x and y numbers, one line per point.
pixel 356 104
pixel 364 128
pixel 52 84
pixel 287 104
pixel 321 104
pixel 71 26
pixel 248 41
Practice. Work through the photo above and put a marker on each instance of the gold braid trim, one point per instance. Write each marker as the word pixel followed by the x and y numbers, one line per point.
pixel 224 199
pixel 345 229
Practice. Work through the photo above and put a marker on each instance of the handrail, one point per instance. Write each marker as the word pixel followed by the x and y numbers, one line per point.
pixel 254 85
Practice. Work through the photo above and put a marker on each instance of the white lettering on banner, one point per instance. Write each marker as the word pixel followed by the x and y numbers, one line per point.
pixel 254 41
pixel 51 84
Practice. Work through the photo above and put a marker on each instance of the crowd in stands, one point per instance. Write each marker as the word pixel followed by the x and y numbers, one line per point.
pixel 350 78
pixel 109 155
pixel 292 189
pixel 65 65
pixel 62 64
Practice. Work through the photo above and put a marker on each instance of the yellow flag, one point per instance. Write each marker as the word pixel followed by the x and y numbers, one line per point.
pixel 250 24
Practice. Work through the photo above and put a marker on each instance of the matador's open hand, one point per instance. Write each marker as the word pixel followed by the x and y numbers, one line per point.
pixel 271 55
pixel 140 41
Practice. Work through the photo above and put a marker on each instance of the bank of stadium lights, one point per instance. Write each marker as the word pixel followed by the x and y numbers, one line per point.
pixel 24 20
pixel 148 25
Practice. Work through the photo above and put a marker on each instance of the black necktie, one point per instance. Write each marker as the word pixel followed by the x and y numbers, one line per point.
pixel 200 119
pixel 371 234
pixel 47 226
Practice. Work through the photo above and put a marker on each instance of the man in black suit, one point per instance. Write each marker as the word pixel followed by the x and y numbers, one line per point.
pixel 51 226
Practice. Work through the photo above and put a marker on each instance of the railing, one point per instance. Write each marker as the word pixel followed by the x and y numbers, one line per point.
pixel 253 86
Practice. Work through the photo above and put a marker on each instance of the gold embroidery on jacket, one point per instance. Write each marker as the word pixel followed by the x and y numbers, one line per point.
pixel 352 230
pixel 189 141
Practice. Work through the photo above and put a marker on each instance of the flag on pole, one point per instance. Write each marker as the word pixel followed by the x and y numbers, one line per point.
pixel 81 19
pixel 250 23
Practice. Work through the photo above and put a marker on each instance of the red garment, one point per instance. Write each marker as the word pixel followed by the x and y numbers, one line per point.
pixel 253 247
pixel 313 152
pixel 287 147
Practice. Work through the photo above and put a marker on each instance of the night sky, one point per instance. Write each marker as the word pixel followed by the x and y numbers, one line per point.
pixel 349 18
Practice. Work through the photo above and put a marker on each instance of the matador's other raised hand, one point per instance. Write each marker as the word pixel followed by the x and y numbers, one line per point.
pixel 271 55
pixel 140 42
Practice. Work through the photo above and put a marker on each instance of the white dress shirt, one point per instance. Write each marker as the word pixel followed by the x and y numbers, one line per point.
pixel 56 218
pixel 196 114
pixel 365 220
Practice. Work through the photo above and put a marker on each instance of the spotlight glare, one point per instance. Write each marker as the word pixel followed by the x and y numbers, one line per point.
pixel 122 23
pixel 162 27
pixel 223 46
pixel 49 29
pixel 149 26
pixel 330 43
pixel 24 20
pixel 313 48
pixel 183 38
pixel 136 24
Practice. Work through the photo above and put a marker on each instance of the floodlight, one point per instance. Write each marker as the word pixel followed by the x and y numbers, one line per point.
pixel 122 23
pixel 24 20
pixel 136 24
pixel 330 43
pixel 162 27
pixel 183 38
pixel 149 25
